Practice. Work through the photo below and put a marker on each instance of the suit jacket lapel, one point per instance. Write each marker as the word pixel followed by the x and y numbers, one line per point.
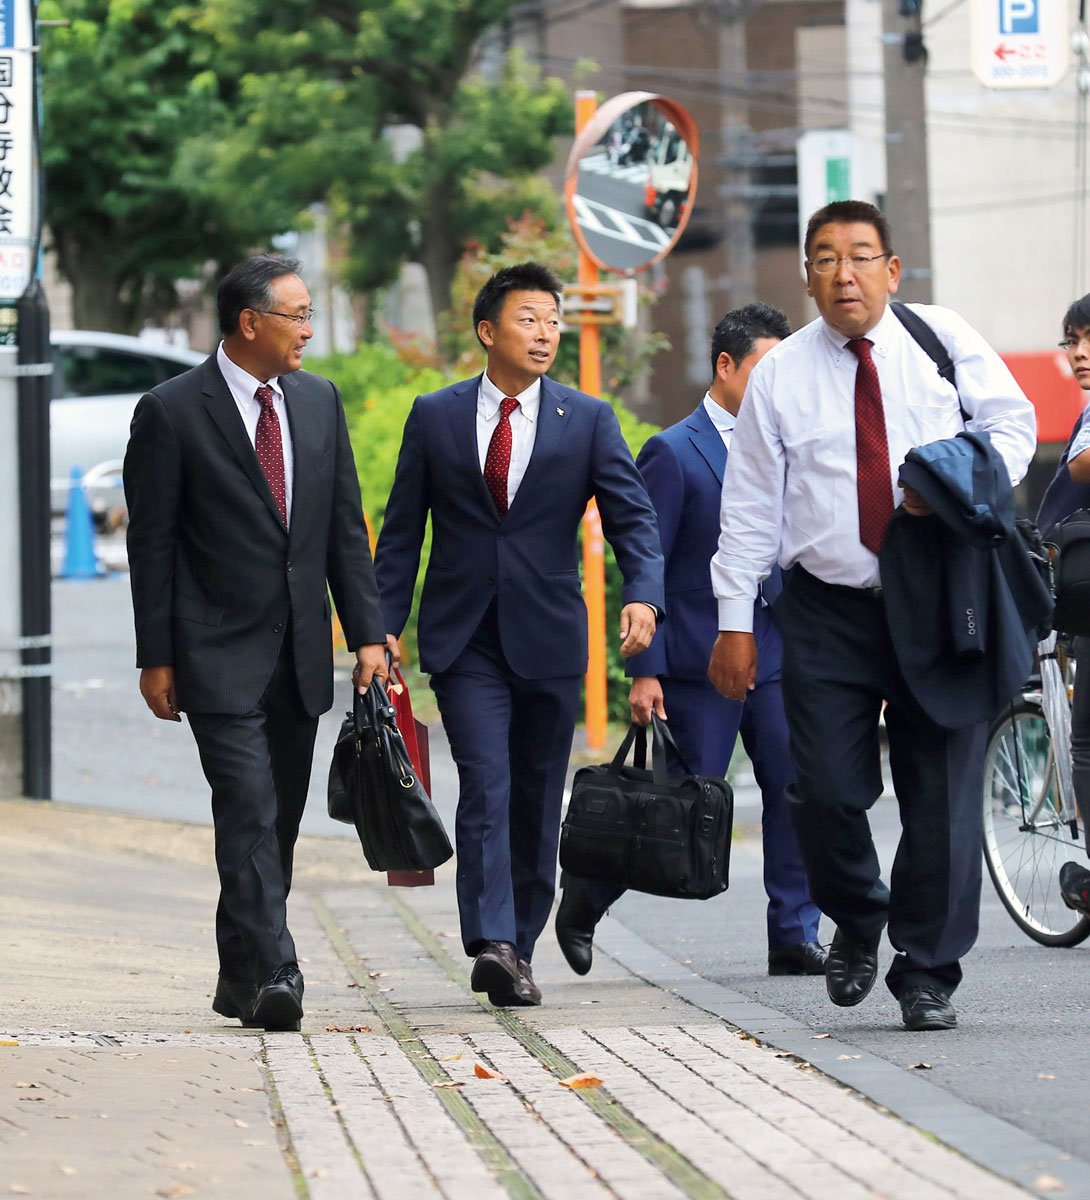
pixel 462 414
pixel 224 411
pixel 708 441
pixel 553 418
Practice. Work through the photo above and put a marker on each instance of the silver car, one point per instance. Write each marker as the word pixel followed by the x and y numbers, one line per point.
pixel 97 380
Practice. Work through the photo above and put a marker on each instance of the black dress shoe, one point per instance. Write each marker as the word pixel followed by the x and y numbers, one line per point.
pixel 278 1004
pixel 496 971
pixel 851 969
pixel 575 921
pixel 233 998
pixel 1075 887
pixel 927 1008
pixel 531 993
pixel 802 958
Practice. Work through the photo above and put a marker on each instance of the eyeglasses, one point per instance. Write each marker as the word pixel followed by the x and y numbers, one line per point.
pixel 861 264
pixel 303 319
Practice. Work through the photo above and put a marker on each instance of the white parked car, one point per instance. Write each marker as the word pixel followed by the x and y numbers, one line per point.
pixel 97 380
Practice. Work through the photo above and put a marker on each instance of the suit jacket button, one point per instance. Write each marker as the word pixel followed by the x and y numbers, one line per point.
pixel 491 581
pixel 278 628
pixel 289 566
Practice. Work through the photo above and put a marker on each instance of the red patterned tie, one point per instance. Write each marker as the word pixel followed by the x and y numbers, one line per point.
pixel 497 462
pixel 270 448
pixel 871 450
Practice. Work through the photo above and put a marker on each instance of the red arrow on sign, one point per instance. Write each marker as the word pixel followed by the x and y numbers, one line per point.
pixel 1004 52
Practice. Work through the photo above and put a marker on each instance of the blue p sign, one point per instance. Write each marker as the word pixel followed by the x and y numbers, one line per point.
pixel 1018 16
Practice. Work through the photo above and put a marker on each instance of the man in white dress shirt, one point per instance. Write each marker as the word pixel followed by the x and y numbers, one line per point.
pixel 812 482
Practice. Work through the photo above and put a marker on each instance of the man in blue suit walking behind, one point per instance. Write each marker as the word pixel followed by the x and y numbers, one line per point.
pixel 683 470
pixel 505 464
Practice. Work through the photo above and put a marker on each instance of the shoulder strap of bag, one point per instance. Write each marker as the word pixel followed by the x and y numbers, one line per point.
pixel 930 343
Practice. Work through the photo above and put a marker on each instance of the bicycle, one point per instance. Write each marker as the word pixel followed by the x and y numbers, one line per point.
pixel 1031 820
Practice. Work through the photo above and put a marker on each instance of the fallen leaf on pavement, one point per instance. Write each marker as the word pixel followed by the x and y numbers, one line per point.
pixel 449 1083
pixel 19 1189
pixel 376 974
pixel 1043 1075
pixel 586 1080
pixel 845 1057
pixel 22 1083
pixel 176 1192
pixel 28 1098
pixel 8 1042
pixel 816 1036
pixel 348 1029
pixel 920 1066
pixel 483 1072
pixel 67 1170
pixel 450 1058
pixel 1049 1183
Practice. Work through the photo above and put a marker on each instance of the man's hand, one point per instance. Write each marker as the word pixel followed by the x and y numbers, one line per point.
pixel 645 697
pixel 157 688
pixel 393 648
pixel 370 663
pixel 733 665
pixel 637 628
pixel 914 505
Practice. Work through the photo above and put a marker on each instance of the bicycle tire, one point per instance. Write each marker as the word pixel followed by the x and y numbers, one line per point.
pixel 1024 852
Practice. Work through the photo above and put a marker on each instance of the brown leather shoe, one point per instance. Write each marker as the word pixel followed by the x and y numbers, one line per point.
pixel 530 991
pixel 496 971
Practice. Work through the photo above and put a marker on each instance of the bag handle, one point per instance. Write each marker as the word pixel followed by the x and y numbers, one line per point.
pixel 662 746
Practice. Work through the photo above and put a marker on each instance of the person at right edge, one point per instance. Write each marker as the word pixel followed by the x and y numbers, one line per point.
pixel 814 479
pixel 1068 492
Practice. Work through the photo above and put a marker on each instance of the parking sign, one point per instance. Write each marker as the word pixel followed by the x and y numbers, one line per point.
pixel 1020 43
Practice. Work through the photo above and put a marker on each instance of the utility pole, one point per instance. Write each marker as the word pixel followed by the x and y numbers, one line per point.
pixel 908 194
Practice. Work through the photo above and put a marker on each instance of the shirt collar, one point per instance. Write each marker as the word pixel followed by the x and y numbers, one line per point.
pixel 241 382
pixel 879 336
pixel 490 396
pixel 720 418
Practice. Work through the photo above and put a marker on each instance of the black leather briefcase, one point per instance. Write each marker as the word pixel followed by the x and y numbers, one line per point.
pixel 649 830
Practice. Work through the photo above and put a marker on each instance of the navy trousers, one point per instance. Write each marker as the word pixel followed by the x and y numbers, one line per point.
pixel 705 726
pixel 258 766
pixel 510 738
pixel 838 667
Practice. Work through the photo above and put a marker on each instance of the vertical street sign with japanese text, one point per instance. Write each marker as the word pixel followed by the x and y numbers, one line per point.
pixel 19 165
pixel 1020 43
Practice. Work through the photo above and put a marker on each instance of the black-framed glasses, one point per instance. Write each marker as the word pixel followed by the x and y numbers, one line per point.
pixel 299 319
pixel 826 264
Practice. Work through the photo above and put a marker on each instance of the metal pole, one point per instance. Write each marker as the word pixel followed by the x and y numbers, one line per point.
pixel 35 365
pixel 594 565
pixel 908 196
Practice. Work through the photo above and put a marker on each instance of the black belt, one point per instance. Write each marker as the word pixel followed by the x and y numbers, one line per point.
pixel 872 593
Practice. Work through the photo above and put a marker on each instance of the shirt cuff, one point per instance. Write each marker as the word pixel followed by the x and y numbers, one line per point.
pixel 736 616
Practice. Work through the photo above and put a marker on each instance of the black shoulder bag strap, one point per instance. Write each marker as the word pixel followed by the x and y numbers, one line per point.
pixel 930 343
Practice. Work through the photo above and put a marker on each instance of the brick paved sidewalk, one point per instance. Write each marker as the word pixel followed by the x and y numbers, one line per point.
pixel 122 1082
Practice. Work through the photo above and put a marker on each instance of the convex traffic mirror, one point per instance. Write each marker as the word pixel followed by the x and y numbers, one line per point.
pixel 631 180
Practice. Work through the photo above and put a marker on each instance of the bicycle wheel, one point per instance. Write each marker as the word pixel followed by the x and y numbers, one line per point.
pixel 1025 840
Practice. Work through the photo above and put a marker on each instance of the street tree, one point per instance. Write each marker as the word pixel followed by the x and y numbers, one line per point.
pixel 384 111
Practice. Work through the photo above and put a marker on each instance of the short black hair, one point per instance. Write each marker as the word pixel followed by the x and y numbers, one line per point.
pixel 248 284
pixel 522 277
pixel 850 212
pixel 1077 316
pixel 741 327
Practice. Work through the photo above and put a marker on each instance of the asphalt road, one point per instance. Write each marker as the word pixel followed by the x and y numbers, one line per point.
pixel 1022 1049
pixel 612 216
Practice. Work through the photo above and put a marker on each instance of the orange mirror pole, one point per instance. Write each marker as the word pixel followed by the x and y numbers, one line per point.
pixel 594 563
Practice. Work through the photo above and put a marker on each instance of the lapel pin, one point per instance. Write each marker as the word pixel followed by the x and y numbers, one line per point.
pixel 559 412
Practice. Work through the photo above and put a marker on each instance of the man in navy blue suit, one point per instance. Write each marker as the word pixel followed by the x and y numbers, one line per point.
pixel 683 470
pixel 505 464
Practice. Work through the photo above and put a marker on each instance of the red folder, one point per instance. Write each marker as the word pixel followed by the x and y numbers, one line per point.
pixel 415 735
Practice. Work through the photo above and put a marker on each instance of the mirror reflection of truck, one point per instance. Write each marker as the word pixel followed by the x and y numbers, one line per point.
pixel 670 167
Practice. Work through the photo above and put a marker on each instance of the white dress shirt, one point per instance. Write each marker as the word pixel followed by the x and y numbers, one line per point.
pixel 789 492
pixel 720 418
pixel 523 427
pixel 242 386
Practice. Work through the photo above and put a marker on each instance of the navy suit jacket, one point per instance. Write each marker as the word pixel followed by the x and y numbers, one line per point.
pixel 527 561
pixel 683 469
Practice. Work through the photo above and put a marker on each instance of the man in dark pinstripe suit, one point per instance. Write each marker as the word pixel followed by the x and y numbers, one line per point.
pixel 243 504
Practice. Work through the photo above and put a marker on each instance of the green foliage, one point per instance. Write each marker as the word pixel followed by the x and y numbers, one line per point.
pixel 378 386
pixel 119 97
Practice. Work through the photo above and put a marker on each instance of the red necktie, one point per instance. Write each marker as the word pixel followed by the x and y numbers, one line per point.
pixel 270 448
pixel 871 450
pixel 497 462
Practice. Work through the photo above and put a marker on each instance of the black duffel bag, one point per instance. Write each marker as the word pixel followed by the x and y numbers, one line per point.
pixel 372 785
pixel 1071 573
pixel 649 831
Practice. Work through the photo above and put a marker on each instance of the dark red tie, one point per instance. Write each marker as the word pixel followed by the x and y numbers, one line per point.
pixel 497 462
pixel 270 448
pixel 871 450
